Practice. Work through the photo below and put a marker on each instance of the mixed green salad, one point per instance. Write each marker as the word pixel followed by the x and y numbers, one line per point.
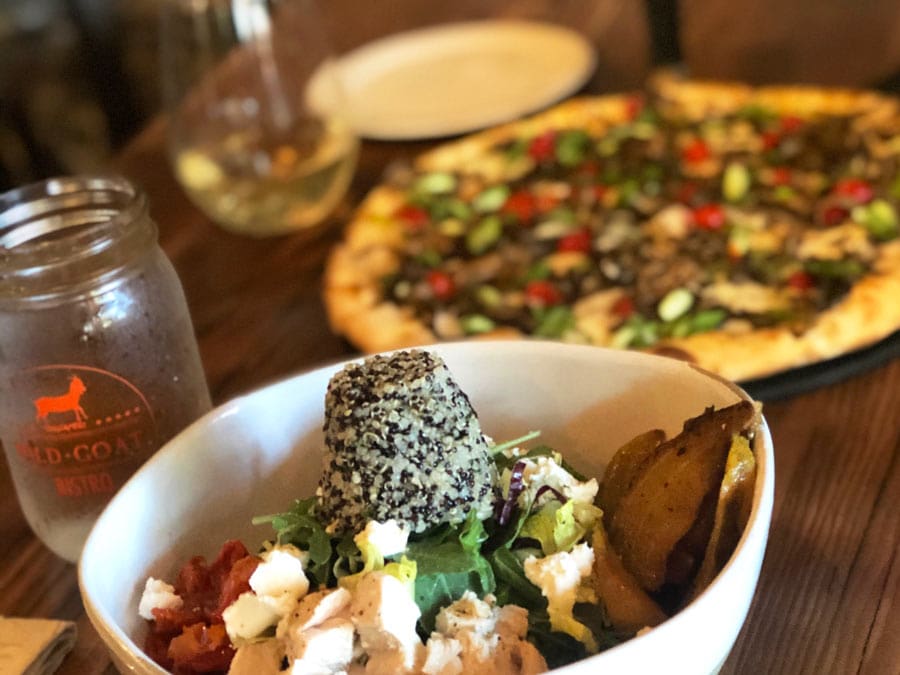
pixel 429 549
pixel 533 519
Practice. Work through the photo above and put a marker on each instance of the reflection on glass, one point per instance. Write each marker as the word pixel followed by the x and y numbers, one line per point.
pixel 249 143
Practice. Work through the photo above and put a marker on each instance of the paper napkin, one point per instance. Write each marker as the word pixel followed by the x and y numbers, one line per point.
pixel 34 646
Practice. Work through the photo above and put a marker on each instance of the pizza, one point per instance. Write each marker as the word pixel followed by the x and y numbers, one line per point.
pixel 750 230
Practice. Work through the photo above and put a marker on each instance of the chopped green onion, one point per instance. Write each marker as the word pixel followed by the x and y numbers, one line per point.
pixel 735 182
pixel 554 321
pixel 784 193
pixel 623 337
pixel 429 257
pixel 484 235
pixel 436 183
pixel 473 324
pixel 571 147
pixel 491 199
pixel 834 269
pixel 707 319
pixel 489 296
pixel 452 227
pixel 757 113
pixel 675 304
pixel 538 271
pixel 879 217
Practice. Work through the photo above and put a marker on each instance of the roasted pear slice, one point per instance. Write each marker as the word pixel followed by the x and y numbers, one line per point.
pixel 661 503
pixel 628 607
pixel 626 465
pixel 732 511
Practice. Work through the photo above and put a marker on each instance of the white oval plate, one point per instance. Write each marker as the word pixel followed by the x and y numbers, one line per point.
pixel 459 77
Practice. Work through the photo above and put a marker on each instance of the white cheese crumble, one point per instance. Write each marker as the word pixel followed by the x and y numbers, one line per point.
pixel 541 471
pixel 387 538
pixel 158 595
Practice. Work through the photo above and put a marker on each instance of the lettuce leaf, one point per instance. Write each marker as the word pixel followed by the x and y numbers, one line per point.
pixel 558 527
pixel 447 565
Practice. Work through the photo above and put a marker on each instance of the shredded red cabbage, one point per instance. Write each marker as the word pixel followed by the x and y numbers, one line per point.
pixel 516 485
pixel 560 497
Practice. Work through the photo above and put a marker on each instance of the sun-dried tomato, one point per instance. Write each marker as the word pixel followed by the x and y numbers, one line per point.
pixel 201 649
pixel 192 639
pixel 237 582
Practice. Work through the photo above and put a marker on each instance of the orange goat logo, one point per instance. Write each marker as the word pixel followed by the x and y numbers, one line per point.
pixel 68 402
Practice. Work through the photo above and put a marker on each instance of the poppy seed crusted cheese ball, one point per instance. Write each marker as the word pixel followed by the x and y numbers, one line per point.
pixel 403 442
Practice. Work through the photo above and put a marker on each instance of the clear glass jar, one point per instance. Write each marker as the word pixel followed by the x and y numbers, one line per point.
pixel 98 361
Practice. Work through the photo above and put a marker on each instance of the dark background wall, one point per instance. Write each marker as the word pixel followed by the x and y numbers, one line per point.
pixel 78 78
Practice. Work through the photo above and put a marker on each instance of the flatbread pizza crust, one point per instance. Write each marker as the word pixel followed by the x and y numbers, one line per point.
pixel 373 241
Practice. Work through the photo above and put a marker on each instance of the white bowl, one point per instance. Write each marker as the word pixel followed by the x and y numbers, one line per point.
pixel 257 453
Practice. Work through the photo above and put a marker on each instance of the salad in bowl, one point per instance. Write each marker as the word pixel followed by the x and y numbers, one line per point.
pixel 430 547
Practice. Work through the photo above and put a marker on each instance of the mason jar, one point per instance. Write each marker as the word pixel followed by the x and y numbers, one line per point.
pixel 98 361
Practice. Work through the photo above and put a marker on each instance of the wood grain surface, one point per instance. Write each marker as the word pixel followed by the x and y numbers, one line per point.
pixel 827 600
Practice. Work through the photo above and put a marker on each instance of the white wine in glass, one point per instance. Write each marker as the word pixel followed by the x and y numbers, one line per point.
pixel 249 144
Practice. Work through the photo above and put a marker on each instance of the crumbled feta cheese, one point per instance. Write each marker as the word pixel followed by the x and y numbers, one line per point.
pixel 385 616
pixel 542 471
pixel 314 609
pixel 474 635
pixel 158 595
pixel 559 577
pixel 279 580
pixel 258 658
pixel 247 617
pixel 442 656
pixel 468 614
pixel 324 649
pixel 387 538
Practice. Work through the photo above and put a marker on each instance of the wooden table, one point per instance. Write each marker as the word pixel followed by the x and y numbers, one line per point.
pixel 827 600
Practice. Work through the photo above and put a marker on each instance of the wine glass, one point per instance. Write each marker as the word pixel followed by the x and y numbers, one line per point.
pixel 248 143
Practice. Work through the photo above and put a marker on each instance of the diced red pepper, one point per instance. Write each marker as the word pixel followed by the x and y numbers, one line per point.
pixel 521 205
pixel 801 281
pixel 695 152
pixel 835 215
pixel 781 175
pixel 575 242
pixel 709 217
pixel 442 284
pixel 414 218
pixel 543 147
pixel 623 307
pixel 855 189
pixel 600 191
pixel 634 105
pixel 542 293
pixel 770 140
pixel 790 124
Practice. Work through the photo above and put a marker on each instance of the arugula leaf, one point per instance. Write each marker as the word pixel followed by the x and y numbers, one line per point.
pixel 448 567
pixel 300 527
pixel 557 648
pixel 498 448
pixel 512 584
pixel 504 462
